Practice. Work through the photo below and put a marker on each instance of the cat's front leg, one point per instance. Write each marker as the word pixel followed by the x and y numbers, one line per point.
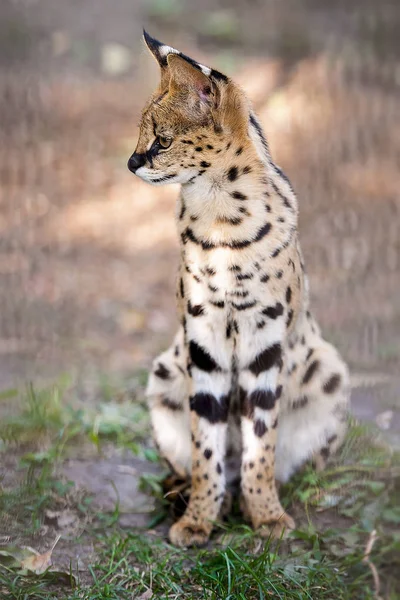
pixel 209 403
pixel 261 362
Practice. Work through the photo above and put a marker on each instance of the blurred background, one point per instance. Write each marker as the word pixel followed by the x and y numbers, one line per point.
pixel 88 253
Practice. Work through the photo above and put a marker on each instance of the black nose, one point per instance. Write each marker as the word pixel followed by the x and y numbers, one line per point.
pixel 136 160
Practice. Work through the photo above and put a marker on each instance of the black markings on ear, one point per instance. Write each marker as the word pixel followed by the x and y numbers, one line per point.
pixel 196 310
pixel 201 358
pixel 208 407
pixel 232 174
pixel 207 453
pixel 267 359
pixel 238 195
pixel 162 372
pixel 273 312
pixel 332 384
pixel 310 371
pixel 260 429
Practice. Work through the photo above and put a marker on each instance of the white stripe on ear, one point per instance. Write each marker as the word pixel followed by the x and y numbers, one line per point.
pixel 204 69
pixel 165 50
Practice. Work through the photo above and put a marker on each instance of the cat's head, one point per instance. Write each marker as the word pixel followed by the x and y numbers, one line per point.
pixel 189 122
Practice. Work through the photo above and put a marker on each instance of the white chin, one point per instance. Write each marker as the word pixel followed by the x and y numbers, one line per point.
pixel 154 177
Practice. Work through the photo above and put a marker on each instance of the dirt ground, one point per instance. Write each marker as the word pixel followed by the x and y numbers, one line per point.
pixel 88 253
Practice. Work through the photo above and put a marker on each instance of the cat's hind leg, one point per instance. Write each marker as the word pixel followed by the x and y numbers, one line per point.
pixel 167 394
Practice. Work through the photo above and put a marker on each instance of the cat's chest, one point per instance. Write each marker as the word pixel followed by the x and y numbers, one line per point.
pixel 225 278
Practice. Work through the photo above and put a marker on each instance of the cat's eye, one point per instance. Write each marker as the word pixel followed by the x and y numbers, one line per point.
pixel 164 141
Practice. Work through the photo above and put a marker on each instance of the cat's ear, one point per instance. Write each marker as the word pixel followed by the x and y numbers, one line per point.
pixel 160 52
pixel 185 78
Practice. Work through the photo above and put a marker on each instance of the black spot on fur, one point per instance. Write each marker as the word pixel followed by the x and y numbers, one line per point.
pixel 234 268
pixel 325 452
pixel 264 399
pixel 210 147
pixel 217 303
pixel 243 276
pixel 205 164
pixel 183 210
pixel 171 404
pixel 246 170
pixel 219 469
pixel 310 371
pixel 196 310
pixel 181 288
pixel 228 330
pixel 212 288
pixel 279 274
pixel 300 403
pixel 260 428
pixel 289 318
pixel 208 407
pixel 267 359
pixel 162 372
pixel 244 306
pixel 207 453
pixel 240 293
pixel 238 195
pixel 309 353
pixel 264 278
pixel 288 295
pixel 239 151
pixel 332 384
pixel 232 174
pixel 273 312
pixel 198 149
pixel 201 358
pixel 210 271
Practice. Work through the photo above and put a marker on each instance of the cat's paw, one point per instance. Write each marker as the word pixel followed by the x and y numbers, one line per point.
pixel 188 533
pixel 276 528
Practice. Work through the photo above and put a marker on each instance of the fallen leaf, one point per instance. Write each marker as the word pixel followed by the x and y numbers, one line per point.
pixel 39 563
